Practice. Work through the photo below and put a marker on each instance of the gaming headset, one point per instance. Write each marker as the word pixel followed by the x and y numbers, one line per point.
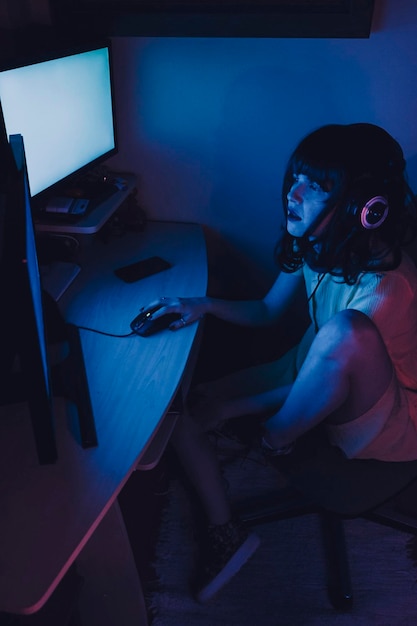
pixel 374 212
pixel 367 200
pixel 370 214
pixel 379 163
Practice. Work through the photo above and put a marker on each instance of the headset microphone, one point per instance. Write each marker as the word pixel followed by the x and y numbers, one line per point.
pixel 374 212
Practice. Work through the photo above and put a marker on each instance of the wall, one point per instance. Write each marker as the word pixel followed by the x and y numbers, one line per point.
pixel 16 13
pixel 208 124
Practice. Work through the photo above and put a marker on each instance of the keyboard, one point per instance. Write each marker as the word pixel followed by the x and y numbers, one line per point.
pixel 70 210
pixel 71 206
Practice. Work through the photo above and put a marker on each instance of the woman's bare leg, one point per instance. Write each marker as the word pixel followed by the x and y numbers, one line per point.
pixel 346 371
pixel 201 465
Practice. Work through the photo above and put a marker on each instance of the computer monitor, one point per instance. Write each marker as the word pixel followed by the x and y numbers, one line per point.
pixel 24 367
pixel 25 372
pixel 63 107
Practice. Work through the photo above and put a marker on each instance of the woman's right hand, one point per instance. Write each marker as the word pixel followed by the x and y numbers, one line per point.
pixel 189 309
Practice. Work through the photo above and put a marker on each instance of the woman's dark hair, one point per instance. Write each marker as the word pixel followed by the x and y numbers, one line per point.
pixel 355 162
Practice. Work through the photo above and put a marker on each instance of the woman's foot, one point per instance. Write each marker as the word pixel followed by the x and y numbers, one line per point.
pixel 224 550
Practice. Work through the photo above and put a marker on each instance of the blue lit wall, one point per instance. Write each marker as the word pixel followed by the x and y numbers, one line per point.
pixel 208 124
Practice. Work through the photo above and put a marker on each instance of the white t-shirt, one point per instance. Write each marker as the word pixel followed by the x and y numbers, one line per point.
pixel 389 430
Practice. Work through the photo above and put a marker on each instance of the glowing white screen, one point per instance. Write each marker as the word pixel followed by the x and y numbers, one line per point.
pixel 63 108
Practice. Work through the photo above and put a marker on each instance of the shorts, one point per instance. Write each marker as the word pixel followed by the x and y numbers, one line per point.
pixel 386 432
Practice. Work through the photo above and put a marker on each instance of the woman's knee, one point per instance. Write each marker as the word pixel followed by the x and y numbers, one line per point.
pixel 348 334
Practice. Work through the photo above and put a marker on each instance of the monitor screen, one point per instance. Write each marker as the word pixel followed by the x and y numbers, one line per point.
pixel 30 259
pixel 64 109
pixel 24 365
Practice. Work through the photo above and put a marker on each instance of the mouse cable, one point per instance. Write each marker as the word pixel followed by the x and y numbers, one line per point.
pixel 102 332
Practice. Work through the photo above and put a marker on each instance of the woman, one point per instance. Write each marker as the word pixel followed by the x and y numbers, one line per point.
pixel 348 212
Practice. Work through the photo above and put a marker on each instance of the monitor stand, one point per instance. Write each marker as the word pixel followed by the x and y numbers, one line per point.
pixel 69 380
pixel 68 375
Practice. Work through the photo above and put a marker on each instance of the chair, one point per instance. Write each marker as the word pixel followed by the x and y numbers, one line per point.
pixel 321 480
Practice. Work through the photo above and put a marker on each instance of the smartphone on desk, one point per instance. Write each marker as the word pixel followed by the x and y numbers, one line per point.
pixel 141 269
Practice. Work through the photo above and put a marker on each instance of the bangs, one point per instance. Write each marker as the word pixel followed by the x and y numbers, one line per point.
pixel 322 156
pixel 330 178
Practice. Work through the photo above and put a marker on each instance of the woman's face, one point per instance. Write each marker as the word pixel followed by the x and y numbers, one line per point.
pixel 306 200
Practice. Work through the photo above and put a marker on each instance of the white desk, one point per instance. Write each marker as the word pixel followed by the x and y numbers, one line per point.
pixel 48 513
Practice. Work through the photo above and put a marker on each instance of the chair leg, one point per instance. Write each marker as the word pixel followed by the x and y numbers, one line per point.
pixel 338 573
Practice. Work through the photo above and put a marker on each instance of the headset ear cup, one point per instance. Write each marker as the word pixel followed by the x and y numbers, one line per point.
pixel 374 213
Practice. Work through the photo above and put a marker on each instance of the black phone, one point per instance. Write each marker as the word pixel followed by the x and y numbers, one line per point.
pixel 141 269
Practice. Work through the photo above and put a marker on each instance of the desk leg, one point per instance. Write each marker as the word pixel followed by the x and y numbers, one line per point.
pixel 112 593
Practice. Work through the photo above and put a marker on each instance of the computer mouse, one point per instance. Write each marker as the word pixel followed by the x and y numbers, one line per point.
pixel 144 324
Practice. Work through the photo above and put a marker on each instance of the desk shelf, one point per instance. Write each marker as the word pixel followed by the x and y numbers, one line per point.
pixel 93 221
